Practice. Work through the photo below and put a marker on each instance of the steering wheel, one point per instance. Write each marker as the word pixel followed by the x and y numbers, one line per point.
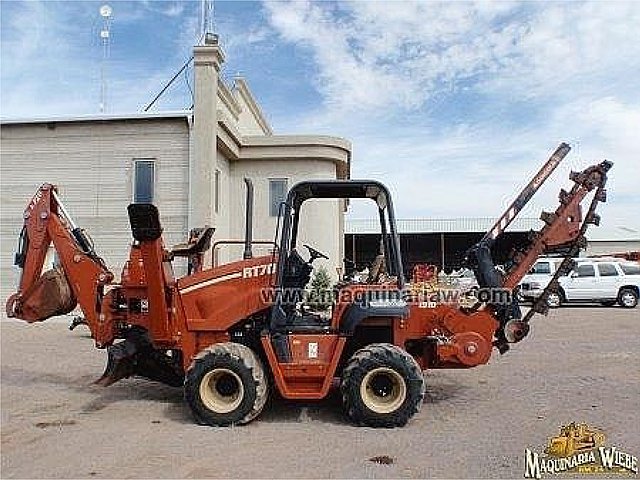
pixel 314 254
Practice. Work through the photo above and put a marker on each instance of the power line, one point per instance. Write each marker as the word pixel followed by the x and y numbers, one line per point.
pixel 164 89
pixel 207 26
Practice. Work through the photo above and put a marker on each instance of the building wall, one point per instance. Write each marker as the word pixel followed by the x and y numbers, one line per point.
pixel 445 249
pixel 92 163
pixel 226 198
pixel 250 119
pixel 321 222
pixel 604 247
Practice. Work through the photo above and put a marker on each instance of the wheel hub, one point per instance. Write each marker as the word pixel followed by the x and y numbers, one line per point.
pixel 383 390
pixel 627 299
pixel 221 390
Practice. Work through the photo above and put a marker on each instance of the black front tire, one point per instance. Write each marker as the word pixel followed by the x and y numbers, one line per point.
pixel 382 386
pixel 628 298
pixel 554 299
pixel 226 385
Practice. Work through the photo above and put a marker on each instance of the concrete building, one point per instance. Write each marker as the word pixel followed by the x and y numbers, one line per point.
pixel 191 164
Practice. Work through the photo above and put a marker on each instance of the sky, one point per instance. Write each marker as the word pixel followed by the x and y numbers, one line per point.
pixel 453 105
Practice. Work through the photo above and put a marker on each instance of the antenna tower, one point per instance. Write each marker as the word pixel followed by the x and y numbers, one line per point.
pixel 207 24
pixel 105 12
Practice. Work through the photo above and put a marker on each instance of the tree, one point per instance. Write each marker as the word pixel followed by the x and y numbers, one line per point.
pixel 320 292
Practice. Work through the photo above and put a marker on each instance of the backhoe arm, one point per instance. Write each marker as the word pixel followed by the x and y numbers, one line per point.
pixel 81 278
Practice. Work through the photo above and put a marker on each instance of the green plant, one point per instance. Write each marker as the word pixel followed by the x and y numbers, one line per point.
pixel 320 291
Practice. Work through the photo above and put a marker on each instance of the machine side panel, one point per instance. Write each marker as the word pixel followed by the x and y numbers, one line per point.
pixel 216 299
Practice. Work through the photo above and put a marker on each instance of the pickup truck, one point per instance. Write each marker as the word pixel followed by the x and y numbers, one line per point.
pixel 534 282
pixel 607 282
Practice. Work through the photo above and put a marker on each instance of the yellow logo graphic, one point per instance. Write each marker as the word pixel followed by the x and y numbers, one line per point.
pixel 580 449
pixel 574 438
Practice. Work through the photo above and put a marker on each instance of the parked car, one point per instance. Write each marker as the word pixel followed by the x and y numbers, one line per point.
pixel 605 281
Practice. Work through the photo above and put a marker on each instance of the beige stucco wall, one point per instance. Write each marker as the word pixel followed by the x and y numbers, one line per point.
pixel 251 120
pixel 92 162
pixel 321 222
pixel 226 200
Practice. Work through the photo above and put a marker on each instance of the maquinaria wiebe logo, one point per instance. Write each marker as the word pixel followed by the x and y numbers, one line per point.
pixel 579 449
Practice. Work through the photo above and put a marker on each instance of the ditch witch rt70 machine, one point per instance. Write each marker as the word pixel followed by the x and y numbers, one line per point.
pixel 216 333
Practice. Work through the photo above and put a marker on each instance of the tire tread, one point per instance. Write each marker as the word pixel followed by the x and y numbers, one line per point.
pixel 242 354
pixel 372 356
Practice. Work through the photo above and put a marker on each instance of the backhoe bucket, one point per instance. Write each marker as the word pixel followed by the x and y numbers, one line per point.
pixel 49 296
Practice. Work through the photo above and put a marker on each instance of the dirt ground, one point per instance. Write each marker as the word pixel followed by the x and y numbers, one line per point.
pixel 579 364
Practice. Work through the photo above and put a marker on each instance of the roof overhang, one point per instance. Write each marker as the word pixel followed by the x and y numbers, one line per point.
pixel 284 147
pixel 185 114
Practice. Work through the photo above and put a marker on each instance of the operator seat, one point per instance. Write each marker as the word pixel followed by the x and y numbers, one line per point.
pixel 286 317
pixel 297 275
pixel 198 243
pixel 297 272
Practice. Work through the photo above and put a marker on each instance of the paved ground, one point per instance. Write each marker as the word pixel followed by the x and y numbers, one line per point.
pixel 579 364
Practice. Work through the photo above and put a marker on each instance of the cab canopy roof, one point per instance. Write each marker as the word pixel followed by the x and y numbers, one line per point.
pixel 372 189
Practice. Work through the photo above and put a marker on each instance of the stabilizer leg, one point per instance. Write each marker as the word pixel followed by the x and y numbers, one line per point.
pixel 136 356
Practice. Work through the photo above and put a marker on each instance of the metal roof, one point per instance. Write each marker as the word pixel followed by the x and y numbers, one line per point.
pixel 481 225
pixel 104 117
pixel 440 225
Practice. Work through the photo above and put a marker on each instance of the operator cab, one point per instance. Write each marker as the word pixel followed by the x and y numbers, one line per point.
pixel 297 272
pixel 294 273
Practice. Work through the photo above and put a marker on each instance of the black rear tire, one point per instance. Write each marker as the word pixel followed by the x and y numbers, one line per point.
pixel 628 298
pixel 382 386
pixel 226 385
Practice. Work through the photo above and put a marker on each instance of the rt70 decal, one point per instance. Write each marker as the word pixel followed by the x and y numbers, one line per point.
pixel 258 270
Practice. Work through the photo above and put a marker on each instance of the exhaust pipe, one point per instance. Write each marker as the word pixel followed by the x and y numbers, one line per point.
pixel 248 228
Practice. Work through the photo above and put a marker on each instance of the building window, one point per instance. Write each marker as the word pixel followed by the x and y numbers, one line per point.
pixel 143 181
pixel 277 194
pixel 216 194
